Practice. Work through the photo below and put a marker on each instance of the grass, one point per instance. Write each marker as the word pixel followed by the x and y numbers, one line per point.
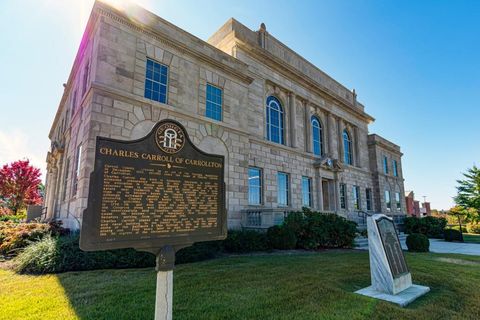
pixel 297 286
pixel 471 237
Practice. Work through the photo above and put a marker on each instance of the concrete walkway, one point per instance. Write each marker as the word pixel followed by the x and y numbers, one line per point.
pixel 436 245
pixel 442 246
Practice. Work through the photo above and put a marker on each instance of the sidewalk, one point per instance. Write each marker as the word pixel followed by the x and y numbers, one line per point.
pixel 441 246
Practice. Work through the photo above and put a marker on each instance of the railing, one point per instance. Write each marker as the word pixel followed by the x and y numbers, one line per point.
pixel 361 219
pixel 260 218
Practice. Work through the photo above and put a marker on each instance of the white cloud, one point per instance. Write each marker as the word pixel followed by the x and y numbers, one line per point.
pixel 16 145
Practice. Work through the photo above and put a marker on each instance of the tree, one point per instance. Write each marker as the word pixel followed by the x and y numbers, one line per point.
pixel 19 185
pixel 468 190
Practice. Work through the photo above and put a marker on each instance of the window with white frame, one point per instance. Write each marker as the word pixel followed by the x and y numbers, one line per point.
pixel 343 196
pixel 388 201
pixel 214 102
pixel 254 186
pixel 347 148
pixel 283 189
pixel 156 81
pixel 76 175
pixel 397 201
pixel 385 164
pixel 306 192
pixel 275 121
pixel 356 198
pixel 317 138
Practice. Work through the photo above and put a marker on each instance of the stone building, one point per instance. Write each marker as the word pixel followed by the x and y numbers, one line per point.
pixel 292 136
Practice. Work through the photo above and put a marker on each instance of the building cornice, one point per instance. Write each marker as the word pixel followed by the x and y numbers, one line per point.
pixel 290 72
pixel 76 64
pixel 238 70
pixel 375 139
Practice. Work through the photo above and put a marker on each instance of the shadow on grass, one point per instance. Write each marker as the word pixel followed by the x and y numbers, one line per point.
pixel 304 286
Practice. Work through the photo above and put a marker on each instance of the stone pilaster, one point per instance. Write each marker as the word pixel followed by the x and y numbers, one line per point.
pixel 308 136
pixel 356 153
pixel 340 126
pixel 293 119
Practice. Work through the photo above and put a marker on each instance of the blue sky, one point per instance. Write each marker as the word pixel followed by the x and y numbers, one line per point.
pixel 415 65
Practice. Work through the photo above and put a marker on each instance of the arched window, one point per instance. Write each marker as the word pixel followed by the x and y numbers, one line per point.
pixel 317 136
pixel 347 148
pixel 275 121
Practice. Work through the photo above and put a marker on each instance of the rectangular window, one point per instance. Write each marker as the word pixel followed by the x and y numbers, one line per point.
pixel 214 103
pixel 156 78
pixel 254 186
pixel 77 170
pixel 368 195
pixel 395 168
pixel 343 196
pixel 356 198
pixel 74 102
pixel 306 192
pixel 397 200
pixel 283 189
pixel 85 78
pixel 388 202
pixel 385 164
pixel 65 179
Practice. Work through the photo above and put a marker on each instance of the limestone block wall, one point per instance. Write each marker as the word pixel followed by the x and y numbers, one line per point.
pixel 379 148
pixel 110 75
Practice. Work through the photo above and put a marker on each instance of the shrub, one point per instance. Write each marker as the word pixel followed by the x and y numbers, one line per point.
pixel 281 237
pixel 317 230
pixel 452 235
pixel 12 218
pixel 199 251
pixel 417 242
pixel 432 227
pixel 4 211
pixel 60 254
pixel 474 228
pixel 15 236
pixel 243 241
pixel 455 227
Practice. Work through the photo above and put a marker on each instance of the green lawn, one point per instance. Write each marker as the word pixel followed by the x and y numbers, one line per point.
pixel 472 238
pixel 298 286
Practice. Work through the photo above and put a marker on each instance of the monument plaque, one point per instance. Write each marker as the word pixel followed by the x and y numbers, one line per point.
pixel 152 192
pixel 392 247
pixel 391 279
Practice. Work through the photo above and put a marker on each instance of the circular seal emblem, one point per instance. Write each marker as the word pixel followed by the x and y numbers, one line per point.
pixel 170 137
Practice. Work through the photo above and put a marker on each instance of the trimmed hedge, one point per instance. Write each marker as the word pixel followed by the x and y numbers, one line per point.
pixel 305 230
pixel 243 241
pixel 316 230
pixel 282 238
pixel 417 242
pixel 432 227
pixel 54 254
pixel 452 235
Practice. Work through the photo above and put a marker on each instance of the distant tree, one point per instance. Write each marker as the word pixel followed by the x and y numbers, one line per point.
pixel 461 214
pixel 468 189
pixel 19 185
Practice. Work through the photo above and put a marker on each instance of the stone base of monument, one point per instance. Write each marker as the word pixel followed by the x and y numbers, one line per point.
pixel 402 298
pixel 391 279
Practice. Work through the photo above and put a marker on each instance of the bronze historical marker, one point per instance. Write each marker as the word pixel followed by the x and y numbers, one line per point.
pixel 391 245
pixel 156 192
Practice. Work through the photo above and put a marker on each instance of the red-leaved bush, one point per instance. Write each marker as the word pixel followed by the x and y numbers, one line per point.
pixel 19 183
